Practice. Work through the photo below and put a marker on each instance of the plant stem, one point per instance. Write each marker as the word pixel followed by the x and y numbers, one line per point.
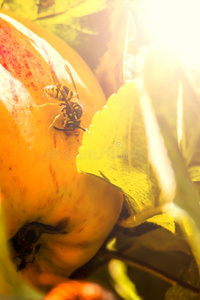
pixel 151 270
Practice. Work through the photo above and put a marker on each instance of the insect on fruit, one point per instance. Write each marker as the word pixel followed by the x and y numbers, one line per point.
pixel 39 191
pixel 71 110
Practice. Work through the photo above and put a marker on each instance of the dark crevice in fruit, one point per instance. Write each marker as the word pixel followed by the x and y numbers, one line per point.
pixel 25 245
pixel 62 224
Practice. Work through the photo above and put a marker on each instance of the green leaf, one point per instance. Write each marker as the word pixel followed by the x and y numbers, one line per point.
pixel 157 239
pixel 66 12
pixel 88 7
pixel 26 9
pixel 156 256
pixel 132 122
pixel 164 220
pixel 155 259
pixel 63 10
pixel 58 11
pixel 116 150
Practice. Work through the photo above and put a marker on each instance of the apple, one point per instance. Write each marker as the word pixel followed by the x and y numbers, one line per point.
pixel 79 290
pixel 55 218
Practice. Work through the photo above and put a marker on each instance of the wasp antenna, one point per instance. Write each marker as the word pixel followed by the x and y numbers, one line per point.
pixel 72 79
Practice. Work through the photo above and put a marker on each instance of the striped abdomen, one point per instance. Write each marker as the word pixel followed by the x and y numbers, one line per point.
pixel 59 91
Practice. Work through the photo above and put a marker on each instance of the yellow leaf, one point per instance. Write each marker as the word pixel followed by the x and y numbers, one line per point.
pixel 115 149
pixel 164 220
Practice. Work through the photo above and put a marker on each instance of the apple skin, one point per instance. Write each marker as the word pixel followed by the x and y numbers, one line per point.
pixel 38 174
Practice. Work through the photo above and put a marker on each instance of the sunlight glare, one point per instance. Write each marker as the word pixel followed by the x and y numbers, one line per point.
pixel 175 24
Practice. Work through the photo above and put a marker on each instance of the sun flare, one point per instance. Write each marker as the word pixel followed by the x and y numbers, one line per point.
pixel 175 24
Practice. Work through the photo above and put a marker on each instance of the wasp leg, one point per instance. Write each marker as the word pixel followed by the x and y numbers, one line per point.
pixel 68 129
pixel 85 129
pixel 46 104
pixel 62 129
pixel 55 119
pixel 70 125
pixel 66 126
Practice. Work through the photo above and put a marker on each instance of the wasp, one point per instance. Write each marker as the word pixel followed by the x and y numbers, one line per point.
pixel 71 110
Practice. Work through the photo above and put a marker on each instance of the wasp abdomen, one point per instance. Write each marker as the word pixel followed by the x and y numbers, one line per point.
pixel 58 91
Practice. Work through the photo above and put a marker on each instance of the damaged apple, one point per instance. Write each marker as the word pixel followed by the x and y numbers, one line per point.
pixel 55 218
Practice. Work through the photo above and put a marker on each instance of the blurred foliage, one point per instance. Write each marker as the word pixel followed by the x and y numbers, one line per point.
pixel 82 24
pixel 95 29
pixel 143 118
pixel 180 293
pixel 122 283
pixel 155 260
pixel 152 115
